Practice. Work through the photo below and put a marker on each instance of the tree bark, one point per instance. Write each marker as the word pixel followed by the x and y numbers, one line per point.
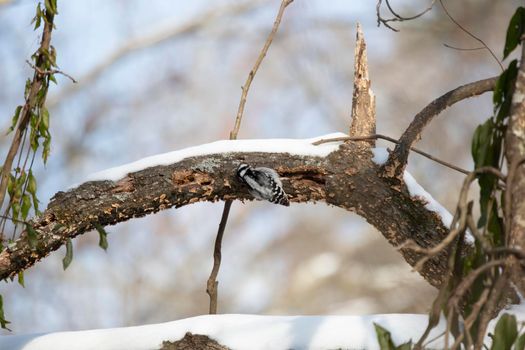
pixel 515 153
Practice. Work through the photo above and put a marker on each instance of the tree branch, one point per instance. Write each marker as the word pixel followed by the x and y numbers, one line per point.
pixel 397 160
pixel 346 178
pixel 212 284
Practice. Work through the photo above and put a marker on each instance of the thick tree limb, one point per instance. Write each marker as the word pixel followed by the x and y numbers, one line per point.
pixel 346 178
pixel 397 161
pixel 363 99
pixel 515 153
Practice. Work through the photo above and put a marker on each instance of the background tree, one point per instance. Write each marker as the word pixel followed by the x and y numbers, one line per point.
pixel 306 100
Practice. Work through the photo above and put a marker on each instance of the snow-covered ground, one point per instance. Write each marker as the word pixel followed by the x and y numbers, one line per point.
pixel 252 332
pixel 239 332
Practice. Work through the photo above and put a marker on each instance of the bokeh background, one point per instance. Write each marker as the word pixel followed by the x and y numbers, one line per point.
pixel 157 75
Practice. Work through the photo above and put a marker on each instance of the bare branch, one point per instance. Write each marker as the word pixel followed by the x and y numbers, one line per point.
pixel 212 284
pixel 397 160
pixel 469 33
pixel 43 73
pixel 397 17
pixel 251 75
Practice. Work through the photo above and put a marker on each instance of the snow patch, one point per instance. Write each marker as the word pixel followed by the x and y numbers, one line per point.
pixel 381 156
pixel 301 147
pixel 416 190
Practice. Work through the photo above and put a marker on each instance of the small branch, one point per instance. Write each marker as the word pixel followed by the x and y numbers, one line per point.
pixel 387 138
pixel 471 35
pixel 490 306
pixel 251 75
pixel 212 284
pixel 43 73
pixel 363 99
pixel 397 17
pixel 397 160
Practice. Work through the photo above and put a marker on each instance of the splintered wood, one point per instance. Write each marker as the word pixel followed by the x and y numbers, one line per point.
pixel 363 99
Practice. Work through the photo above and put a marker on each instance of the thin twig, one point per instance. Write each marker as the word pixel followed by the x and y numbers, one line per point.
pixel 397 17
pixel 489 307
pixel 471 35
pixel 43 72
pixel 387 138
pixel 463 48
pixel 251 75
pixel 212 284
pixel 467 281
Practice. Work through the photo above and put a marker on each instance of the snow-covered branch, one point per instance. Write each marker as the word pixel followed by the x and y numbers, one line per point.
pixel 343 175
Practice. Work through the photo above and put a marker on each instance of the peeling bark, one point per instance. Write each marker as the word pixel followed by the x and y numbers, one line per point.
pixel 346 178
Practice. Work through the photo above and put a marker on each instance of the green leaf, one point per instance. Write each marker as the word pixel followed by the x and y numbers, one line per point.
pixel 26 205
pixel 519 344
pixel 27 88
pixel 32 236
pixel 47 148
pixel 103 239
pixel 53 79
pixel 38 17
pixel 3 321
pixel 15 209
pixel 405 346
pixel 31 183
pixel 505 333
pixel 45 117
pixel 384 338
pixel 503 94
pixel 515 31
pixel 14 120
pixel 481 143
pixel 69 254
pixel 49 6
pixel 21 279
pixel 11 185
